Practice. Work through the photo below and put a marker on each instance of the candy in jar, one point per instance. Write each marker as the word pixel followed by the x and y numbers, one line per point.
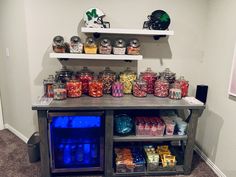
pixel 139 88
pixel 59 46
pixel 161 88
pixel 59 90
pixel 133 47
pixel 184 86
pixel 117 89
pixel 90 46
pixel 150 78
pixel 95 88
pixel 127 77
pixel 63 75
pixel 76 46
pixel 119 47
pixel 74 88
pixel 175 91
pixel 168 75
pixel 108 77
pixel 105 46
pixel 48 86
pixel 85 76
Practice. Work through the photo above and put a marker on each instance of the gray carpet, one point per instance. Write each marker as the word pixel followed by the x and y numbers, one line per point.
pixel 14 160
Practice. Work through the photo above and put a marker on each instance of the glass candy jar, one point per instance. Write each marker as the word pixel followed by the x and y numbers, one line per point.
pixel 63 75
pixel 150 77
pixel 76 46
pixel 59 46
pixel 85 76
pixel 175 91
pixel 105 46
pixel 95 88
pixel 59 90
pixel 74 88
pixel 161 88
pixel 117 89
pixel 90 46
pixel 168 75
pixel 139 88
pixel 127 77
pixel 48 86
pixel 184 85
pixel 133 47
pixel 108 77
pixel 119 47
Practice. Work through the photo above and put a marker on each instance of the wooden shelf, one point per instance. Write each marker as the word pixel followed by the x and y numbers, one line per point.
pixel 148 138
pixel 95 56
pixel 144 32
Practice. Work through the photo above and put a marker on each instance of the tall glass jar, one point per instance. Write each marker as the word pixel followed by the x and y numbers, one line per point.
pixel 85 76
pixel 59 90
pixel 76 46
pixel 161 88
pixel 74 88
pixel 108 77
pixel 168 75
pixel 175 91
pixel 119 47
pixel 139 88
pixel 58 44
pixel 105 46
pixel 48 86
pixel 95 88
pixel 150 77
pixel 184 86
pixel 133 47
pixel 127 77
pixel 63 75
pixel 117 89
pixel 90 46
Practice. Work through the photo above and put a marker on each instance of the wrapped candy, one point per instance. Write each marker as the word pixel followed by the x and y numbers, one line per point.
pixel 123 124
pixel 175 91
pixel 139 88
pixel 74 88
pixel 127 77
pixel 117 89
pixel 105 46
pixel 59 46
pixel 90 46
pixel 108 77
pixel 150 78
pixel 63 75
pixel 95 88
pixel 119 47
pixel 59 91
pixel 48 86
pixel 161 88
pixel 85 76
pixel 133 47
pixel 184 86
pixel 168 75
pixel 76 46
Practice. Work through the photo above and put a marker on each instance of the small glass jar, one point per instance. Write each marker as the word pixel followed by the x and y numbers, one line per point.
pixel 161 88
pixel 119 47
pixel 139 88
pixel 85 76
pixel 95 88
pixel 133 47
pixel 184 85
pixel 64 75
pixel 168 75
pixel 76 46
pixel 150 77
pixel 126 78
pixel 74 88
pixel 105 46
pixel 175 91
pixel 48 86
pixel 117 89
pixel 58 45
pixel 59 90
pixel 108 77
pixel 90 46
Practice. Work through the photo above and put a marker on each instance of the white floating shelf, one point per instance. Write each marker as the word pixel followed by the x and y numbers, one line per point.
pixel 95 56
pixel 127 31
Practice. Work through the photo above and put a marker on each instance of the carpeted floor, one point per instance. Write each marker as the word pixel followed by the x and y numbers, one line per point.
pixel 14 160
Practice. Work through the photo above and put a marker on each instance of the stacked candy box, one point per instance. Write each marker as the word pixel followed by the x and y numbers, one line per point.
pixel 152 158
pixel 149 126
pixel 129 160
pixel 167 160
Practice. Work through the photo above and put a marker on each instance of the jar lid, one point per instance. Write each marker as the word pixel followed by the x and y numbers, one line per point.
pixel 59 85
pixel 90 41
pixel 64 72
pixel 107 71
pixel 58 40
pixel 75 39
pixel 128 71
pixel 105 42
pixel 85 70
pixel 134 43
pixel 120 43
pixel 140 82
pixel 149 71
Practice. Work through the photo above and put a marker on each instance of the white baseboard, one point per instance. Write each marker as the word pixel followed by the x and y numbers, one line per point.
pixel 209 162
pixel 16 132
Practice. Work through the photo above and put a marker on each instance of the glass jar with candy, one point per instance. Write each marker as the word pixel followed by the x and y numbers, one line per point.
pixel 126 78
pixel 74 88
pixel 175 91
pixel 85 76
pixel 139 88
pixel 95 88
pixel 133 47
pixel 105 46
pixel 161 88
pixel 59 90
pixel 119 47
pixel 59 46
pixel 117 89
pixel 168 75
pixel 63 75
pixel 48 86
pixel 184 86
pixel 90 46
pixel 150 78
pixel 76 46
pixel 108 77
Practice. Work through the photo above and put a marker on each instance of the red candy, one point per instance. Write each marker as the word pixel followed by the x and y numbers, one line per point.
pixel 74 89
pixel 139 88
pixel 95 88
pixel 161 88
pixel 150 78
pixel 184 86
